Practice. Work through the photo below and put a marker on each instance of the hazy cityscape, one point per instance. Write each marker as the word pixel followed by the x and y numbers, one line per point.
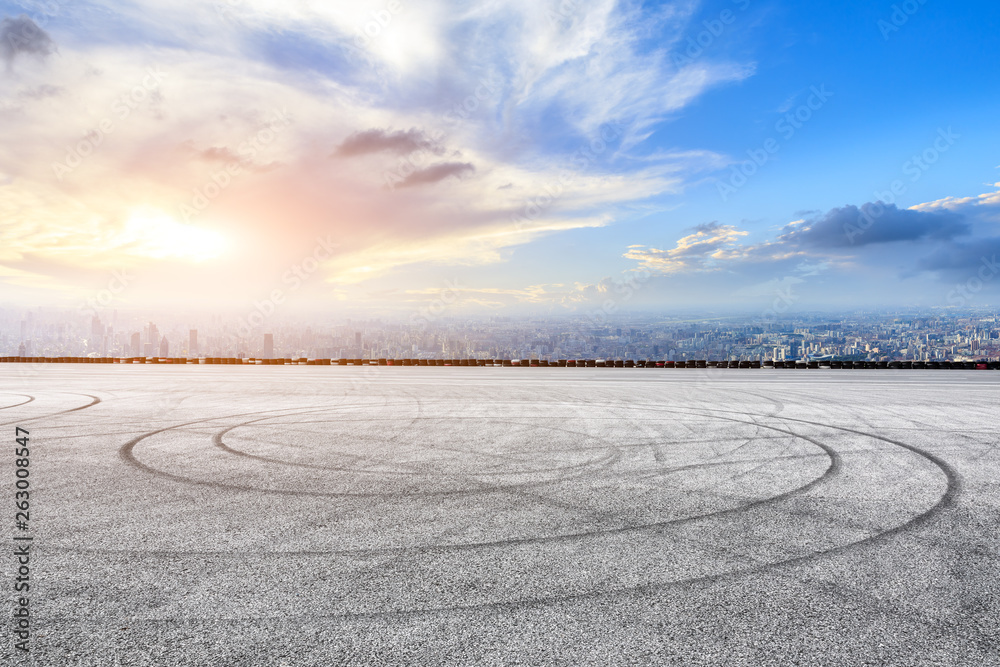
pixel 860 336
pixel 191 189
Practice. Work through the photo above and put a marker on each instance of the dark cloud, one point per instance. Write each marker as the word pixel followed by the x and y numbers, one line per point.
pixel 853 227
pixel 377 141
pixel 437 173
pixel 22 35
pixel 219 154
pixel 226 156
pixel 963 257
pixel 40 92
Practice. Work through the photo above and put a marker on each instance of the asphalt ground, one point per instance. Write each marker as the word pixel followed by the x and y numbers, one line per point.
pixel 213 515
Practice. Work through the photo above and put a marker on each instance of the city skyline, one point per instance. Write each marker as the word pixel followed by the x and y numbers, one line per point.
pixel 535 158
pixel 771 336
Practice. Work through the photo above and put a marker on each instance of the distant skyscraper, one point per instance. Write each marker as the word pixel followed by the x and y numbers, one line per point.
pixel 193 342
pixel 136 344
pixel 153 336
pixel 269 346
pixel 164 347
pixel 357 338
pixel 96 342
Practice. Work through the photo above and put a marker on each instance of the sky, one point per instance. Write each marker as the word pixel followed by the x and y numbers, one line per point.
pixel 516 157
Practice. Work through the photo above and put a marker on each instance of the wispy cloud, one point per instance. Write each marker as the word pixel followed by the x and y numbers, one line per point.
pixel 497 98
pixel 697 251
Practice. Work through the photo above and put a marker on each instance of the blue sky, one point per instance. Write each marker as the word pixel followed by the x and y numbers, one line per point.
pixel 537 155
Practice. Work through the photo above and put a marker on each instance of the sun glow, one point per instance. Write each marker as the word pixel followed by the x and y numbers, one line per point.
pixel 153 233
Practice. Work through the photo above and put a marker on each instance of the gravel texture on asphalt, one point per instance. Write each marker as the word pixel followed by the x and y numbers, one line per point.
pixel 215 515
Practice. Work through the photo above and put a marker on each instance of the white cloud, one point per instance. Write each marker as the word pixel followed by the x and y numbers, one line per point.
pixel 699 251
pixel 145 103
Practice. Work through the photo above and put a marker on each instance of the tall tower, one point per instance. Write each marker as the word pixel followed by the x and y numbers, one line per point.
pixel 154 336
pixel 269 346
pixel 193 342
pixel 96 342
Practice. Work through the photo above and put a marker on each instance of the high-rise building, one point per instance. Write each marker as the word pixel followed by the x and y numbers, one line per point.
pixel 269 346
pixel 136 344
pixel 96 342
pixel 164 347
pixel 357 338
pixel 193 342
pixel 153 336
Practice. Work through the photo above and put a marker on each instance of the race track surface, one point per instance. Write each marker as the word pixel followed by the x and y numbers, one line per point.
pixel 215 515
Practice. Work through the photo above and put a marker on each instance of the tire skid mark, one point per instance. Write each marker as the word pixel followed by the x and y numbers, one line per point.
pixel 952 492
pixel 485 487
pixel 954 486
pixel 26 420
pixel 832 470
pixel 728 462
pixel 528 603
pixel 28 396
pixel 126 453
pixel 220 443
